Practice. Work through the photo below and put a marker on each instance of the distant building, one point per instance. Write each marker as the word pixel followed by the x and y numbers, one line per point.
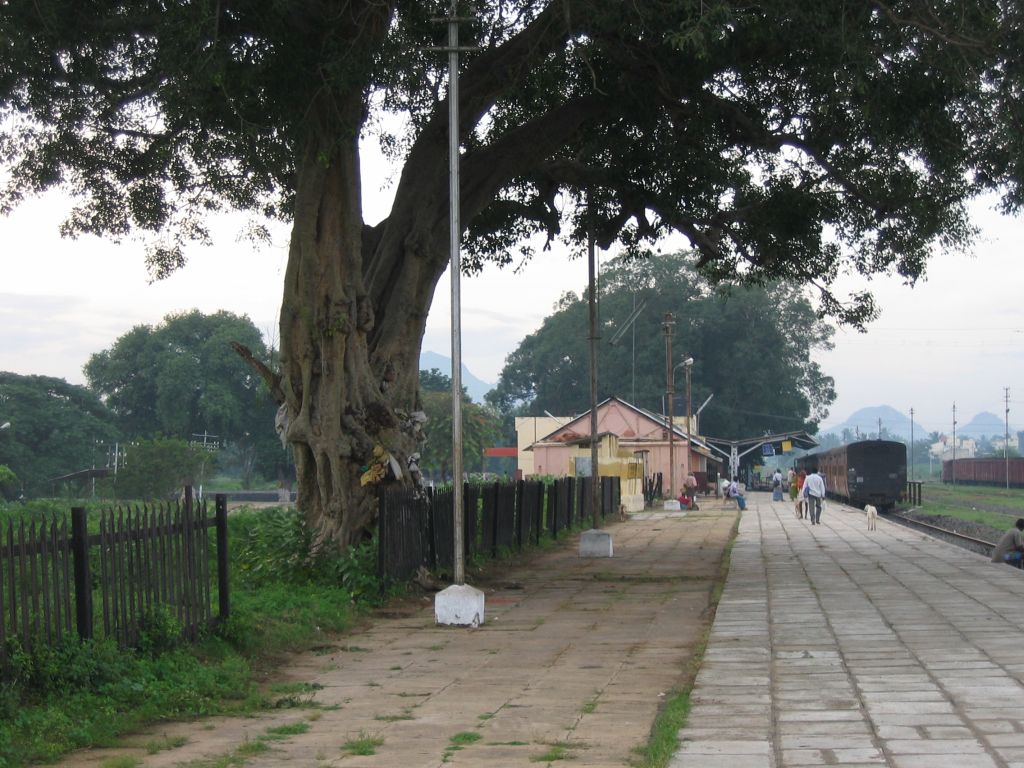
pixel 966 448
pixel 633 443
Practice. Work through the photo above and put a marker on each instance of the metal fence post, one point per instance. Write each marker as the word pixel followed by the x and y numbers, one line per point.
pixel 83 579
pixel 223 586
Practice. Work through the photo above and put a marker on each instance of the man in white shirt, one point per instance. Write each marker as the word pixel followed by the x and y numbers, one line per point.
pixel 814 492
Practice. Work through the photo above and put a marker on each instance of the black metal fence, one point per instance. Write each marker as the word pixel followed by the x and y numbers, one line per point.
pixel 418 531
pixel 55 582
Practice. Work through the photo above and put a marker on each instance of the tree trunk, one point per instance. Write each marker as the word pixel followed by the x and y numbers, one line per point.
pixel 349 341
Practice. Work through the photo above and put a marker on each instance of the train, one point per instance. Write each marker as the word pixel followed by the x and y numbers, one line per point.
pixel 865 472
pixel 995 471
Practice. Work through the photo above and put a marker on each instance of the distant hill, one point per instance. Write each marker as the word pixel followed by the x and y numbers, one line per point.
pixel 984 423
pixel 897 424
pixel 865 421
pixel 476 388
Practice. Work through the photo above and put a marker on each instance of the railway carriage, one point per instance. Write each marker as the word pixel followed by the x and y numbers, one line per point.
pixel 866 472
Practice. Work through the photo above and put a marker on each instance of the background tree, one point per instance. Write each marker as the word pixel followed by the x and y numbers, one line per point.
pixel 159 469
pixel 784 139
pixel 752 347
pixel 481 427
pixel 9 483
pixel 182 378
pixel 55 428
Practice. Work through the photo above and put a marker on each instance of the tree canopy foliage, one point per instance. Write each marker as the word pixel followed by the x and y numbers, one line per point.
pixel 481 427
pixel 183 379
pixel 753 348
pixel 785 139
pixel 56 429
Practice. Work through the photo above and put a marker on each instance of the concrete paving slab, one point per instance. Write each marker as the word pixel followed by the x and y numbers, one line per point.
pixel 898 649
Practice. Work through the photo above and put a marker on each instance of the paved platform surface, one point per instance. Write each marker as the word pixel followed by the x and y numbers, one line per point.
pixel 572 663
pixel 835 645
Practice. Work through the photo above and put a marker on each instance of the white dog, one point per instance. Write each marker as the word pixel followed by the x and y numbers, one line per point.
pixel 872 515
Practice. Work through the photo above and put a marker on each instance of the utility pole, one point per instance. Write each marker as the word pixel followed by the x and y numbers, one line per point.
pixel 666 325
pixel 689 416
pixel 954 442
pixel 911 444
pixel 595 477
pixel 1006 438
pixel 460 604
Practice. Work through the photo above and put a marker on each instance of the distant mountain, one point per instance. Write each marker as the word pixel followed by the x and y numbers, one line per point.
pixel 476 388
pixel 865 422
pixel 897 424
pixel 984 423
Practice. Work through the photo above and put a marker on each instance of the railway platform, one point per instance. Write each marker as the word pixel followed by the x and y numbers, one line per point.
pixel 835 645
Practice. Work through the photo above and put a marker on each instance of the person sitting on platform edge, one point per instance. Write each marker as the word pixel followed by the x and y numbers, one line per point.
pixel 734 492
pixel 1010 548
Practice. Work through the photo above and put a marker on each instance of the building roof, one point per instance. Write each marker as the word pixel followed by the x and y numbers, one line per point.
pixel 698 444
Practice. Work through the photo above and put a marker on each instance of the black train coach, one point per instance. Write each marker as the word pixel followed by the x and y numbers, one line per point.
pixel 866 472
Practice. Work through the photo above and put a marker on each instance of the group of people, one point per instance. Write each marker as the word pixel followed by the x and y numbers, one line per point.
pixel 806 491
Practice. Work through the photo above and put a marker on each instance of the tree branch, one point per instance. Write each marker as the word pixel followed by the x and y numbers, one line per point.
pixel 270 378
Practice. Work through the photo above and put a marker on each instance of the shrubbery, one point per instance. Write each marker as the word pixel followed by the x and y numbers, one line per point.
pixel 56 699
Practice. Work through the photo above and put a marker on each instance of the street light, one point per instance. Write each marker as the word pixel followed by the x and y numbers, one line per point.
pixel 687 364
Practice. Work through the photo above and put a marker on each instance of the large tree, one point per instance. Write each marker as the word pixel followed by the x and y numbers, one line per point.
pixel 182 379
pixel 753 347
pixel 786 138
pixel 56 429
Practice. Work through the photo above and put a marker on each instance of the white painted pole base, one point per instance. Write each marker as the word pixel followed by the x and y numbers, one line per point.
pixel 459 605
pixel 595 543
pixel 672 504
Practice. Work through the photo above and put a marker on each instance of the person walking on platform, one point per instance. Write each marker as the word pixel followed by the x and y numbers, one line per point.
pixel 814 492
pixel 1010 548
pixel 690 484
pixel 797 492
pixel 777 485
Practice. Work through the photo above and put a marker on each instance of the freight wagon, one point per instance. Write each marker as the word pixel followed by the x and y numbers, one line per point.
pixel 984 472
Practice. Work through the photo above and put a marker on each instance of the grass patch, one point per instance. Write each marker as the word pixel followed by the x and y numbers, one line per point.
pixel 122 761
pixel 284 731
pixel 252 748
pixel 394 718
pixel 167 742
pixel 663 741
pixel 465 737
pixel 363 745
pixel 556 751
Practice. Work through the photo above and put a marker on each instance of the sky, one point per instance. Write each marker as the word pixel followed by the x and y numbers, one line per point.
pixel 958 336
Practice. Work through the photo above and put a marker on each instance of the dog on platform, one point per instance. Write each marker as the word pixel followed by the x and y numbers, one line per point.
pixel 622 513
pixel 872 515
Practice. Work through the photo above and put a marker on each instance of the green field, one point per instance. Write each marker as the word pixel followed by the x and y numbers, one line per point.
pixel 997 507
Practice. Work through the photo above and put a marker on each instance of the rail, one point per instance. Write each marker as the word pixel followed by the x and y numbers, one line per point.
pixel 939 529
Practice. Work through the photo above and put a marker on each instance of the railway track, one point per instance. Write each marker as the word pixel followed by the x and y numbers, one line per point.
pixel 981 546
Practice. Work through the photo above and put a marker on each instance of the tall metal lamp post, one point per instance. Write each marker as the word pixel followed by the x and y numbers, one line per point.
pixel 667 324
pixel 459 604
pixel 688 364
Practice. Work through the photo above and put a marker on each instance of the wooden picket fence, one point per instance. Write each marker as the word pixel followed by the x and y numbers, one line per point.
pixel 418 529
pixel 141 560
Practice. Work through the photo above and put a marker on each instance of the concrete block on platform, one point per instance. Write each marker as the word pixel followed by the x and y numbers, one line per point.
pixel 459 605
pixel 633 502
pixel 595 543
pixel 671 505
